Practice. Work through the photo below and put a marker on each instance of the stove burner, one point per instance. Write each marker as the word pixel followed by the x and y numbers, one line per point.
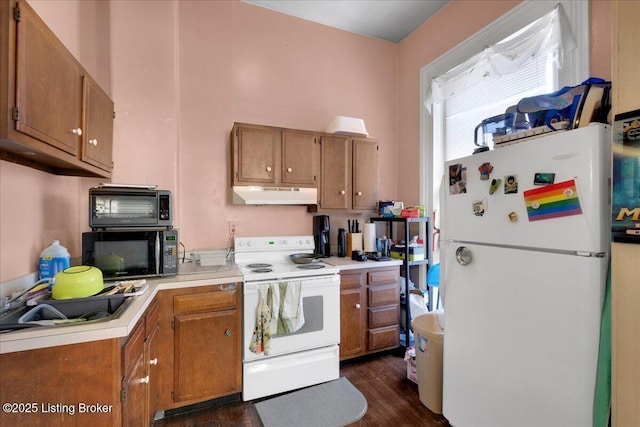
pixel 311 266
pixel 259 265
pixel 262 270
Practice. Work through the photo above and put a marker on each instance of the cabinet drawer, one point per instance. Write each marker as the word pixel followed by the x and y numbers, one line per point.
pixel 350 280
pixel 384 316
pixel 379 277
pixel 384 295
pixel 205 301
pixel 384 337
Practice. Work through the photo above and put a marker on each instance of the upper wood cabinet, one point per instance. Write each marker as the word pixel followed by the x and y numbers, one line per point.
pixel 97 139
pixel 344 168
pixel 349 173
pixel 270 156
pixel 299 158
pixel 54 116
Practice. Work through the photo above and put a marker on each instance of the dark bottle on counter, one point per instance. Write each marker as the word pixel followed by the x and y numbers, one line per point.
pixel 342 242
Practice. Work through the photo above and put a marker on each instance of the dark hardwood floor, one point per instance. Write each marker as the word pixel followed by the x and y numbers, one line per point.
pixel 391 398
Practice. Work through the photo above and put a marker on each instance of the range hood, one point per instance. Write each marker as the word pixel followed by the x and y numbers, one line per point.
pixel 255 195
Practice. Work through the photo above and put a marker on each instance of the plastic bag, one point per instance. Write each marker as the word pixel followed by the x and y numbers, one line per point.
pixel 573 104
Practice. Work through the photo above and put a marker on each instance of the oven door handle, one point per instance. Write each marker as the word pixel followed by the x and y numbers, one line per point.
pixel 317 283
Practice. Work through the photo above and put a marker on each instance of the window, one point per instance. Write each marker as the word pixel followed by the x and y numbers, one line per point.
pixel 447 127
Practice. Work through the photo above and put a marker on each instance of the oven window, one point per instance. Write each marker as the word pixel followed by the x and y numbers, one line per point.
pixel 122 255
pixel 313 317
pixel 126 206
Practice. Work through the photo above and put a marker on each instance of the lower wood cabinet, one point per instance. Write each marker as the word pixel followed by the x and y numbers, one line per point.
pixel 185 349
pixel 201 332
pixel 353 311
pixel 67 385
pixel 369 311
pixel 140 359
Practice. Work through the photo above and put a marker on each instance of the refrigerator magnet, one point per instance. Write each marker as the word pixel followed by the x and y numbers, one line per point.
pixel 544 178
pixel 479 207
pixel 457 179
pixel 510 184
pixel 495 184
pixel 513 217
pixel 485 170
pixel 553 201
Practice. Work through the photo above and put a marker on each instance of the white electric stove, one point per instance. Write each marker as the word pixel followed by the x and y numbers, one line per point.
pixel 309 355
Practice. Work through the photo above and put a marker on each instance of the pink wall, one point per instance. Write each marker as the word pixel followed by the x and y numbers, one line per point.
pixel 240 62
pixel 37 207
pixel 181 72
pixel 454 23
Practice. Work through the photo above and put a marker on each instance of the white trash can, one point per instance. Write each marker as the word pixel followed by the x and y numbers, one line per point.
pixel 428 346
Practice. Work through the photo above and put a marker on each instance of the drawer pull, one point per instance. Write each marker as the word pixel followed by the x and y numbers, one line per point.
pixel 227 333
pixel 358 306
pixel 153 361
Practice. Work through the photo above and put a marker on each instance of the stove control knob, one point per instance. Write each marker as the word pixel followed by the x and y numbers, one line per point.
pixel 249 243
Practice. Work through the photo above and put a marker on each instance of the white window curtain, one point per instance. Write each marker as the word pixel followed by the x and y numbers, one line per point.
pixel 558 30
pixel 550 35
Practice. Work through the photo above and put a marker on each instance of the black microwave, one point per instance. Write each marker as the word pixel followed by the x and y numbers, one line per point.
pixel 118 207
pixel 130 254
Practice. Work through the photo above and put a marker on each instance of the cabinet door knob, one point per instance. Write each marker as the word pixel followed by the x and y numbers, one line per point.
pixel 358 306
pixel 227 333
pixel 289 170
pixel 76 131
pixel 268 168
pixel 93 142
pixel 153 361
pixel 144 380
pixel 343 192
pixel 359 193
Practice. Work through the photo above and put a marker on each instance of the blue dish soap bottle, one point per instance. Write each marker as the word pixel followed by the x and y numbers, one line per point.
pixel 53 259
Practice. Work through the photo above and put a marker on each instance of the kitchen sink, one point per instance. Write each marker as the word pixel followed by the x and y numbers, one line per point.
pixel 92 309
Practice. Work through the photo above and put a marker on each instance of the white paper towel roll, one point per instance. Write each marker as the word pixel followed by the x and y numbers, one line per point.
pixel 369 237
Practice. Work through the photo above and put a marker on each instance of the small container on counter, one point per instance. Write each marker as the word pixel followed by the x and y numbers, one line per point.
pixel 53 260
pixel 342 242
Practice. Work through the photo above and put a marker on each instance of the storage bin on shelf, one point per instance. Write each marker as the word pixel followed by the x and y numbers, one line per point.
pixel 416 253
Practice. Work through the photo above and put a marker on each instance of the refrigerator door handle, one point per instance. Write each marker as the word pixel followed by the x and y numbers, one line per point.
pixel 464 255
pixel 525 248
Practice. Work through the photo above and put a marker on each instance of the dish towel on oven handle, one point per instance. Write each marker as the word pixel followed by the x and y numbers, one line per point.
pixel 290 314
pixel 261 337
pixel 279 311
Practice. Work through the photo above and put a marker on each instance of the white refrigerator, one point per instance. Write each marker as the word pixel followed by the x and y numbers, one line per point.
pixel 524 268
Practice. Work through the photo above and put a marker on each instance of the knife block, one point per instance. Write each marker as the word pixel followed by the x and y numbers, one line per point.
pixel 354 242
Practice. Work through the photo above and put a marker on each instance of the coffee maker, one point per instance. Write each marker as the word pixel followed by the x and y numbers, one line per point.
pixel 321 229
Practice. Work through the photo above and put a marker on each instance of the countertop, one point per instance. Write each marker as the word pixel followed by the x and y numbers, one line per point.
pixel 346 263
pixel 43 337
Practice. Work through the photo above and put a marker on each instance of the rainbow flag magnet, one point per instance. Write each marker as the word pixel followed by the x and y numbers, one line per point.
pixel 552 201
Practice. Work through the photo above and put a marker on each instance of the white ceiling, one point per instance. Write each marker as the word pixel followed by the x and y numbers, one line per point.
pixel 390 20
